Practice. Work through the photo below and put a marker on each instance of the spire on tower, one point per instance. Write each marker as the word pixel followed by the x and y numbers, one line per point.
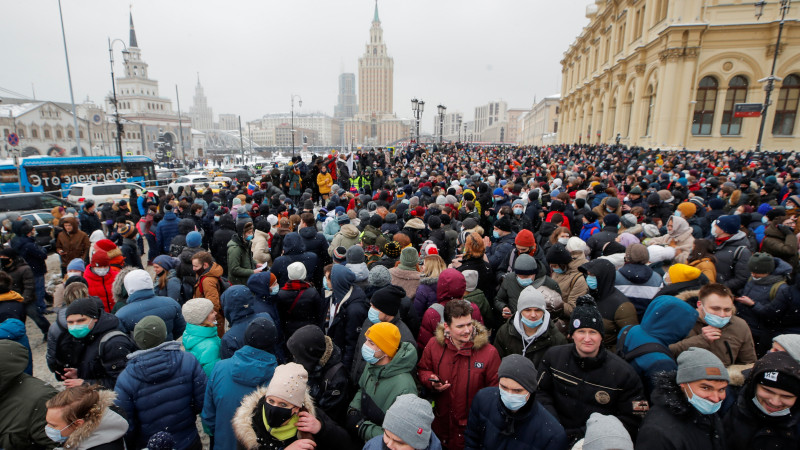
pixel 133 42
pixel 198 78
pixel 374 19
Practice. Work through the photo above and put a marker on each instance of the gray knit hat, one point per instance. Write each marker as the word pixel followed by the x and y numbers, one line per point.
pixel 471 276
pixel 628 220
pixel 196 310
pixel 150 332
pixel 519 369
pixel 410 418
pixel 790 342
pixel 525 265
pixel 409 257
pixel 355 255
pixel 530 297
pixel 379 276
pixel 700 364
pixel 606 432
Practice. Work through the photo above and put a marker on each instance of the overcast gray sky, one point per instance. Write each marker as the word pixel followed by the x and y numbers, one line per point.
pixel 251 55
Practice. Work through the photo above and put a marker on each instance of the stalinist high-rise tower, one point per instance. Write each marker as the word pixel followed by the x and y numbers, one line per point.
pixel 375 74
pixel 376 124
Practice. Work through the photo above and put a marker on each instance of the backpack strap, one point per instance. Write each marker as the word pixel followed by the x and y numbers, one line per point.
pixel 773 292
pixel 291 308
pixel 439 310
pixel 107 337
pixel 736 255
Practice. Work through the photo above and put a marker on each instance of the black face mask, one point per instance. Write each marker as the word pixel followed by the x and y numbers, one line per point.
pixel 7 262
pixel 276 415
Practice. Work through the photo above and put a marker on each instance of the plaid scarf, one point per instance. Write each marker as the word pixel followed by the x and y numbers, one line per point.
pixel 295 285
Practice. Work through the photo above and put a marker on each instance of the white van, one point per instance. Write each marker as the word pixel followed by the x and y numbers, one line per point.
pixel 102 192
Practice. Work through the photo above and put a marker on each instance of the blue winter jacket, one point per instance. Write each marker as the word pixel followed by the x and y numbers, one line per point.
pixel 491 426
pixel 161 389
pixel 237 305
pixel 588 230
pixel 666 321
pixel 232 379
pixel 775 315
pixel 265 303
pixel 29 250
pixel 640 284
pixel 145 303
pixel 330 229
pixel 500 250
pixel 294 250
pixel 14 330
pixel 166 230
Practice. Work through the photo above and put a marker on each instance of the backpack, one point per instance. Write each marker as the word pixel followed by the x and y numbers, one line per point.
pixel 106 337
pixel 187 289
pixel 222 285
pixel 650 347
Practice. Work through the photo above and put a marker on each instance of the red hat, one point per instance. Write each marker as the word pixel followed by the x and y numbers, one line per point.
pixel 525 239
pixel 111 248
pixel 100 258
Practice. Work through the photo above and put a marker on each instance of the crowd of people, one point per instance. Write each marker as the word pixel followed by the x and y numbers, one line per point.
pixel 455 297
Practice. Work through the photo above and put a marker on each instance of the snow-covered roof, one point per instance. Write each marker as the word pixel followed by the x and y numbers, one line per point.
pixel 18 109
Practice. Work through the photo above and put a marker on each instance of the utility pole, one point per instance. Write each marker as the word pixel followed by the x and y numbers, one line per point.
pixel 180 125
pixel 241 139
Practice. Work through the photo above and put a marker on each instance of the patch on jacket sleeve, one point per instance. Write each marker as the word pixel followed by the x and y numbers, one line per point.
pixel 478 365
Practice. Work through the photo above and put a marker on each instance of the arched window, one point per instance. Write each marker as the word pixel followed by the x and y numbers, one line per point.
pixel 47 133
pixel 704 106
pixel 786 106
pixel 59 134
pixel 737 93
pixel 651 109
pixel 35 133
pixel 70 134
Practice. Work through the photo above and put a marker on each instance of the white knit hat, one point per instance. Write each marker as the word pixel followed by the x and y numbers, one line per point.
pixel 196 310
pixel 289 382
pixel 137 280
pixel 296 271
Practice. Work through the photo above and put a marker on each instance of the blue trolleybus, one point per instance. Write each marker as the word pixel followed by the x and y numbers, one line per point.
pixel 47 174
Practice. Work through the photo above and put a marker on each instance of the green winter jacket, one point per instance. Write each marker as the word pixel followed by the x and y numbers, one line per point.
pixel 203 343
pixel 479 298
pixel 23 399
pixel 508 341
pixel 383 384
pixel 240 261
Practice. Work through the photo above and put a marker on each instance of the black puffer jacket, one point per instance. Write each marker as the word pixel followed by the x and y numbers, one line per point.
pixel 299 304
pixel 733 272
pixel 219 243
pixel 617 311
pixel 746 427
pixel 672 423
pixel 572 388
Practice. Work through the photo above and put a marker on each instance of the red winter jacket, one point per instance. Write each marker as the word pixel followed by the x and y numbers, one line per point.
pixel 468 370
pixel 101 286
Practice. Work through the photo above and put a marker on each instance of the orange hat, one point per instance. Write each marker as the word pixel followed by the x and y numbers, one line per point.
pixel 386 336
pixel 687 209
pixel 525 239
pixel 678 273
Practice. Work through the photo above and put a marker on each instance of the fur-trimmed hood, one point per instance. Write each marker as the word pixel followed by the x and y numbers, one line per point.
pixel 480 335
pixel 690 296
pixel 101 428
pixel 243 419
pixel 118 288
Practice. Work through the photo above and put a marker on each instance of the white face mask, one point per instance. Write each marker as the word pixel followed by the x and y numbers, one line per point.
pixel 101 271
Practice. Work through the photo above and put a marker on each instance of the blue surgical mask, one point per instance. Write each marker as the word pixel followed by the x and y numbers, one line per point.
pixel 274 289
pixel 325 284
pixel 591 281
pixel 216 218
pixel 781 413
pixel 495 234
pixel 715 320
pixel 373 315
pixel 764 219
pixel 518 211
pixel 558 270
pixel 512 401
pixel 368 354
pixel 55 434
pixel 524 281
pixel 531 323
pixel 704 406
pixel 248 238
pixel 79 331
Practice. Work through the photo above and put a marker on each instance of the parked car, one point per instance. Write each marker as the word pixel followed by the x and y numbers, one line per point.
pixel 187 180
pixel 102 192
pixel 238 175
pixel 35 207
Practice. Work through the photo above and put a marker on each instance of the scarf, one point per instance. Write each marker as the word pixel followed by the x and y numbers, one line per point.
pixel 284 432
pixel 295 285
pixel 720 240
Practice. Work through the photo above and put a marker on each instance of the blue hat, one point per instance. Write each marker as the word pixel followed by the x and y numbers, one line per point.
pixel 499 192
pixel 339 210
pixel 503 182
pixel 716 203
pixel 194 239
pixel 76 264
pixel 683 181
pixel 729 224
pixel 165 261
pixel 764 208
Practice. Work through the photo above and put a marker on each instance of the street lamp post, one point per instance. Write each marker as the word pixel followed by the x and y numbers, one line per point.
pixel 459 129
pixel 299 103
pixel 417 106
pixel 442 109
pixel 114 91
pixel 785 4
